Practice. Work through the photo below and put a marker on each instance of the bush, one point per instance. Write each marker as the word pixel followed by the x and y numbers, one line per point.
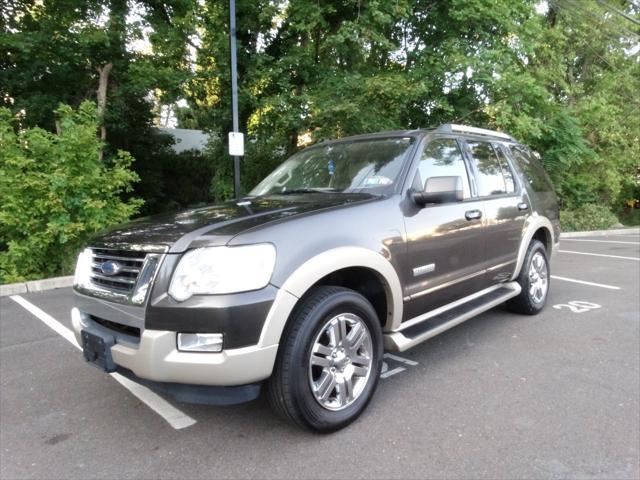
pixel 630 218
pixel 589 216
pixel 56 193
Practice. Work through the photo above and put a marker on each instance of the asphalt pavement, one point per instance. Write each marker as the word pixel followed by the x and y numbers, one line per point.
pixel 501 396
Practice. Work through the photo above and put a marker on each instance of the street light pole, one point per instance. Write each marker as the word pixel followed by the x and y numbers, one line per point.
pixel 234 95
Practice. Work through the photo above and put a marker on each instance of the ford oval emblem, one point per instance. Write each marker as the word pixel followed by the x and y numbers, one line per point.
pixel 110 268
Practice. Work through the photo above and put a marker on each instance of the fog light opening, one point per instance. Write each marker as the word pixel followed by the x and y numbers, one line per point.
pixel 77 317
pixel 200 342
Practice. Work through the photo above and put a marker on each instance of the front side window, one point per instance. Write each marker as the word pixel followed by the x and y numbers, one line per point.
pixel 362 166
pixel 442 158
pixel 491 178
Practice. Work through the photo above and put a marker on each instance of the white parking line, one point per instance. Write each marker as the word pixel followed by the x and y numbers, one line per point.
pixel 388 373
pixel 598 241
pixel 406 361
pixel 47 319
pixel 600 255
pixel 174 417
pixel 171 414
pixel 583 282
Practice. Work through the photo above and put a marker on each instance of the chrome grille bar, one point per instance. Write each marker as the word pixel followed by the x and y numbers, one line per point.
pixel 128 267
pixel 115 257
pixel 117 279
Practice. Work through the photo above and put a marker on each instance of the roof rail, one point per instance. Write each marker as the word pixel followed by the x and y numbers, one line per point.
pixel 453 128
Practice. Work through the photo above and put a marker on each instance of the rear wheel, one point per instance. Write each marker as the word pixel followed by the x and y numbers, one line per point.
pixel 534 278
pixel 329 361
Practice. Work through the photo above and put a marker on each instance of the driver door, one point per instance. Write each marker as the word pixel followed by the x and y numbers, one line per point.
pixel 445 244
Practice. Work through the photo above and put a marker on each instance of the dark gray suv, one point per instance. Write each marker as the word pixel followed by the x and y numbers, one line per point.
pixel 348 248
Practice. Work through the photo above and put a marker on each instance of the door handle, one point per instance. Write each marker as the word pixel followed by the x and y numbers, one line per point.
pixel 473 214
pixel 523 206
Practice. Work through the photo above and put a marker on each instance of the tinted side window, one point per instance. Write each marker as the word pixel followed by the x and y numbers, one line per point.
pixel 442 158
pixel 530 166
pixel 491 181
pixel 506 170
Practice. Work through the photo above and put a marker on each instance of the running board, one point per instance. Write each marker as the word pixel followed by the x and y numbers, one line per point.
pixel 415 333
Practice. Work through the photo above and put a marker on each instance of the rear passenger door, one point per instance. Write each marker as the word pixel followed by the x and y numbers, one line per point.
pixel 505 206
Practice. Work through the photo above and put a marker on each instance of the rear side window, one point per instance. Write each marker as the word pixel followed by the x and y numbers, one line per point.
pixel 533 172
pixel 442 158
pixel 506 169
pixel 491 172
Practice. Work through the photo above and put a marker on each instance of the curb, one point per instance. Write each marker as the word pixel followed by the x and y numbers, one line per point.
pixel 35 286
pixel 600 232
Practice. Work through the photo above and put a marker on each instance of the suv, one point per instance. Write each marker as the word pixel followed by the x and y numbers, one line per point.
pixel 348 248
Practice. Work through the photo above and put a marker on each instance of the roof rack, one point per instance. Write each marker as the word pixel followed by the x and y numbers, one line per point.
pixel 453 128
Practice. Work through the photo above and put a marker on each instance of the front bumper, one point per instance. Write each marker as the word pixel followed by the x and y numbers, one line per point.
pixel 154 356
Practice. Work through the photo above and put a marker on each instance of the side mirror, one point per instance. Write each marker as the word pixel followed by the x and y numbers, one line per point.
pixel 439 190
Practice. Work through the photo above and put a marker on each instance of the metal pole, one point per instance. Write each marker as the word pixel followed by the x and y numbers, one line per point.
pixel 234 93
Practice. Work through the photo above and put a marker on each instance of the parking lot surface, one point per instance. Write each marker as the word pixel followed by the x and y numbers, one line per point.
pixel 501 396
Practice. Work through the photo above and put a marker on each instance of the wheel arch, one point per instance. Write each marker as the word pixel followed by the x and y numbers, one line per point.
pixel 367 282
pixel 536 228
pixel 338 264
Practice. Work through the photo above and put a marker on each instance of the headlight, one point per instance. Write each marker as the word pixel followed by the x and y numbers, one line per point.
pixel 83 269
pixel 217 270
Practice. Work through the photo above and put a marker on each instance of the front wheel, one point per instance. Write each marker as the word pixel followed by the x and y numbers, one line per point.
pixel 329 360
pixel 534 278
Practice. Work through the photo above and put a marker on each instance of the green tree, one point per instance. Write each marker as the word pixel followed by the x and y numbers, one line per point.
pixel 64 51
pixel 561 80
pixel 560 75
pixel 571 91
pixel 56 192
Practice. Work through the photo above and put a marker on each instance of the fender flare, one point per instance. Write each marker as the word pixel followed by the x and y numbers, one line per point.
pixel 534 223
pixel 314 269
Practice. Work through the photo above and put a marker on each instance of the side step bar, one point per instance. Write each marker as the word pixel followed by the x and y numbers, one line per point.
pixel 413 333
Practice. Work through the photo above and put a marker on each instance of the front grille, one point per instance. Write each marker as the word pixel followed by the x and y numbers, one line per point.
pixel 129 263
pixel 117 327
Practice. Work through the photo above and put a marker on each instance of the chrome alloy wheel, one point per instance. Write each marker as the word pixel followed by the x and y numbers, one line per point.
pixel 538 278
pixel 340 361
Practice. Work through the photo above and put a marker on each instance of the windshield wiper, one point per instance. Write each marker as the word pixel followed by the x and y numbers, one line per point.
pixel 309 190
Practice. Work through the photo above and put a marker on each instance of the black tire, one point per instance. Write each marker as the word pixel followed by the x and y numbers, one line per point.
pixel 289 389
pixel 525 303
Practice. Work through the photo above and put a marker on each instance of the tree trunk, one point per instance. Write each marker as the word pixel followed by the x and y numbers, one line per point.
pixel 552 15
pixel 103 84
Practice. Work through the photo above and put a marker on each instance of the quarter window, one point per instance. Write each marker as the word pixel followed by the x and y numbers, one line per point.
pixel 442 158
pixel 533 171
pixel 491 174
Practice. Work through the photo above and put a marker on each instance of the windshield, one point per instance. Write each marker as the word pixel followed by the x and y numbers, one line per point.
pixel 370 166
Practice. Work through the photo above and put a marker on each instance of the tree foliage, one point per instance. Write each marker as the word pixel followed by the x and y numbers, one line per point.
pixel 560 75
pixel 563 80
pixel 56 192
pixel 52 52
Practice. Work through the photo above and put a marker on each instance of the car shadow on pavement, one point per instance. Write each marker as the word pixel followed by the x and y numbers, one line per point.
pixel 430 356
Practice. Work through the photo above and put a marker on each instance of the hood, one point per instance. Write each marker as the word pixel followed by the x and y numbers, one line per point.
pixel 216 224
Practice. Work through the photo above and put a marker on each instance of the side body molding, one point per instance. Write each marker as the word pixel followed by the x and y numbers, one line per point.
pixel 318 267
pixel 532 225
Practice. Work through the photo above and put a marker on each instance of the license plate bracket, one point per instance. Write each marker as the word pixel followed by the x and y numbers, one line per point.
pixel 96 348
